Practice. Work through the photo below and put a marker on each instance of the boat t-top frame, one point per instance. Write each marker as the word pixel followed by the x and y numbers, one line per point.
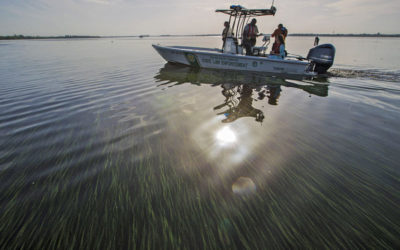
pixel 239 16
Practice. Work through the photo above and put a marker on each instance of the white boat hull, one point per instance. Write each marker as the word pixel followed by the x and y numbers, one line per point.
pixel 215 59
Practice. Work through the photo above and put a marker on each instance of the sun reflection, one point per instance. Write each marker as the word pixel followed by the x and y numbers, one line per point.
pixel 226 136
pixel 244 186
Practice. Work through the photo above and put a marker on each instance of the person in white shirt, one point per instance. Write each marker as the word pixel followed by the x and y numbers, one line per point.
pixel 227 32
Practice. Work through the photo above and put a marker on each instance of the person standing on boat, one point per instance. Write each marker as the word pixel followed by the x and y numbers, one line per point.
pixel 279 53
pixel 279 31
pixel 250 34
pixel 227 32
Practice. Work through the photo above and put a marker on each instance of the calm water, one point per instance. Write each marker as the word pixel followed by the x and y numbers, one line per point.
pixel 104 146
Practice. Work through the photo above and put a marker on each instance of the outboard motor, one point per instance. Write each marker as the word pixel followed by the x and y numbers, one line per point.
pixel 322 57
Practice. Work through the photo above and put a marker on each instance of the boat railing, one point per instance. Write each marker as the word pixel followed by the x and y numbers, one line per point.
pixel 197 48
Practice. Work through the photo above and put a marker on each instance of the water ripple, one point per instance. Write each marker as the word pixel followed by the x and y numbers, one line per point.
pixel 371 74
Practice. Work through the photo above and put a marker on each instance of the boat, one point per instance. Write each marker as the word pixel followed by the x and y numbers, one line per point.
pixel 231 57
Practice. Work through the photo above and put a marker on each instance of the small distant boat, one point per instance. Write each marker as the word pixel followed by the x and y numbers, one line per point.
pixel 141 36
pixel 231 57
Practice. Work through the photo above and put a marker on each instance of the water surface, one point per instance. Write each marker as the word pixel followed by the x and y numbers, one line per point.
pixel 105 146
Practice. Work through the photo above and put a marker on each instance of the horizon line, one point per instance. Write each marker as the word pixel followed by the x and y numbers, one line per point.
pixel 20 36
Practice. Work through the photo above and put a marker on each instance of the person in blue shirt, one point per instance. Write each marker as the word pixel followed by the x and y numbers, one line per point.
pixel 279 52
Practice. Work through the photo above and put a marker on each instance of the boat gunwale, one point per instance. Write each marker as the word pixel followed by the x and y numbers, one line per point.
pixel 218 52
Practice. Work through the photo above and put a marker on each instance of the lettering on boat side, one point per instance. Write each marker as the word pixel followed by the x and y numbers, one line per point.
pixel 216 60
pixel 279 69
pixel 255 64
pixel 235 64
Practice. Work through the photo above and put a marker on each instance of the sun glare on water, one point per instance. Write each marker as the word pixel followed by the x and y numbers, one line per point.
pixel 226 136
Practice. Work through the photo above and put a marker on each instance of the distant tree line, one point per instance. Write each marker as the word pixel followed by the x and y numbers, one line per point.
pixel 347 35
pixel 15 37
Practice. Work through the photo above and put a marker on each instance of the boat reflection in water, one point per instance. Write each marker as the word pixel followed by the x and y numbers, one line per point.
pixel 238 88
pixel 228 146
pixel 238 103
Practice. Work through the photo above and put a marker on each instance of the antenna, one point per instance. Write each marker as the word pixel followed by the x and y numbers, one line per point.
pixel 273 2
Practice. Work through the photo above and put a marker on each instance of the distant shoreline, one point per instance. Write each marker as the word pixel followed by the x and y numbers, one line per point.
pixel 20 37
pixel 346 35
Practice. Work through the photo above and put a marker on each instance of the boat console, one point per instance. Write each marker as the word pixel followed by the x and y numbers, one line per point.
pixel 231 46
pixel 260 51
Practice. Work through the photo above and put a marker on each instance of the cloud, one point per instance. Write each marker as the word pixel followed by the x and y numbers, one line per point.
pixel 365 8
pixel 103 2
pixel 99 1
pixel 121 17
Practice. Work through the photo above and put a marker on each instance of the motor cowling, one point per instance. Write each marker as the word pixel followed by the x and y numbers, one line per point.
pixel 322 57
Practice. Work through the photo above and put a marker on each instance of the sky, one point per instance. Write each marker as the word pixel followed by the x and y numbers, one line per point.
pixel 178 17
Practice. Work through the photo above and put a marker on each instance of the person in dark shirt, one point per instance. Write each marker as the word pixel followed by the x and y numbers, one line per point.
pixel 250 34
